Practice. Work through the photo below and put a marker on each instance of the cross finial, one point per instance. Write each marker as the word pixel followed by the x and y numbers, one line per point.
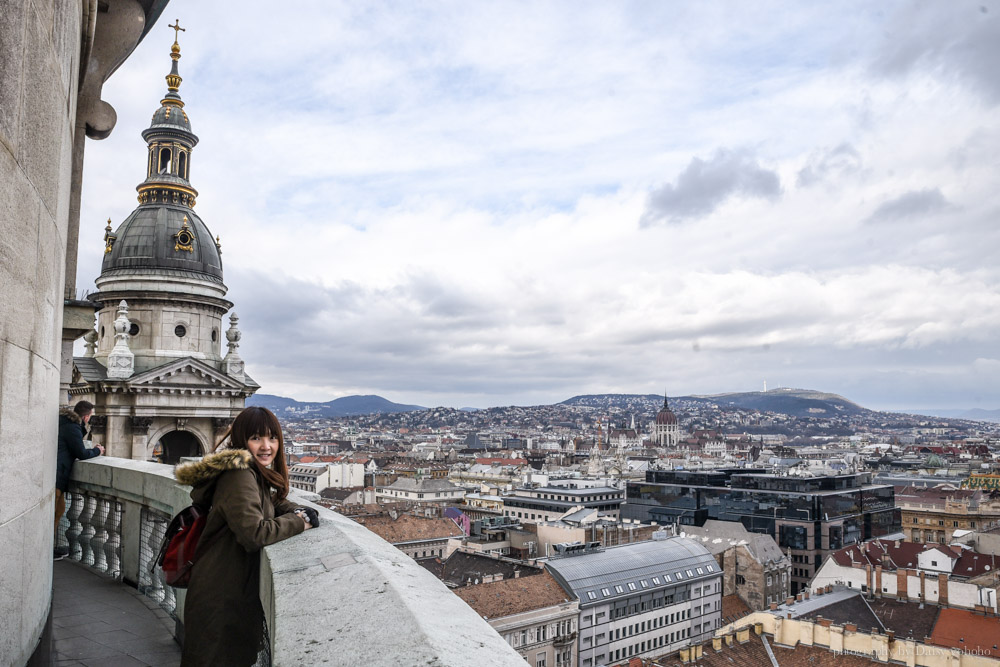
pixel 177 28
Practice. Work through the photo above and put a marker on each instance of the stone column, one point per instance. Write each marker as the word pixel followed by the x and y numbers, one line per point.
pixel 140 437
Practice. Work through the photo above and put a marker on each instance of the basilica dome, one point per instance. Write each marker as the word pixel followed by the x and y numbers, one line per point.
pixel 158 238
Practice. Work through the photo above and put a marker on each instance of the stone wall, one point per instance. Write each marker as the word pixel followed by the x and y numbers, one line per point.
pixel 39 72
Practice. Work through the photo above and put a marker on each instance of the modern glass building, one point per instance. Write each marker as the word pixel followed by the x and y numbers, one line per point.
pixel 809 516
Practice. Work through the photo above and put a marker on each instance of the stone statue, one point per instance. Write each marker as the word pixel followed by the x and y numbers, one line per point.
pixel 121 361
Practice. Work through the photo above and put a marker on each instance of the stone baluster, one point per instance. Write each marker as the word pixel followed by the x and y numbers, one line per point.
pixel 169 597
pixel 100 533
pixel 87 521
pixel 112 547
pixel 75 527
pixel 156 589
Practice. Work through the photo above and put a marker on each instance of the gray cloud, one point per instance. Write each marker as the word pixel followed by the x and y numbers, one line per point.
pixel 705 184
pixel 960 39
pixel 913 204
pixel 836 162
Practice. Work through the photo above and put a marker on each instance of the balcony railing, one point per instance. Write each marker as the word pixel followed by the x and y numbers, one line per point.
pixel 564 639
pixel 337 594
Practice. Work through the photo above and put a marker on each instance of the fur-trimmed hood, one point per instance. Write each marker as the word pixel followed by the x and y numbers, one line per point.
pixel 71 415
pixel 197 473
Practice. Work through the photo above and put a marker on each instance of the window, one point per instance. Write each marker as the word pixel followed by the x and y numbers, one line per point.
pixel 619 589
pixel 591 595
pixel 644 583
pixel 656 581
pixel 667 578
pixel 689 573
pixel 701 571
pixel 540 660
pixel 710 568
pixel 631 586
pixel 605 592
pixel 678 575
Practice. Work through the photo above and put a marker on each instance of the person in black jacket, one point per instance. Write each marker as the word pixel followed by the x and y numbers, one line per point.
pixel 72 427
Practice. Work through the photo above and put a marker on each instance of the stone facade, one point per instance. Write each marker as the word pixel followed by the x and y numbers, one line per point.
pixel 54 59
pixel 931 515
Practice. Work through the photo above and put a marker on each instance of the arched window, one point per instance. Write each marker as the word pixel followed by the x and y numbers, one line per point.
pixel 164 167
pixel 182 163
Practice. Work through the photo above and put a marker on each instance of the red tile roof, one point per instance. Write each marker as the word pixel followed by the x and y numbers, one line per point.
pixel 970 632
pixel 409 528
pixel 904 554
pixel 514 596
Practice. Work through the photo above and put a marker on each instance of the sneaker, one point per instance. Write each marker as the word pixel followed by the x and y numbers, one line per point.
pixel 59 553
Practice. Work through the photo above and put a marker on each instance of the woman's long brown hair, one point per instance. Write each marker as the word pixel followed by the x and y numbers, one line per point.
pixel 261 422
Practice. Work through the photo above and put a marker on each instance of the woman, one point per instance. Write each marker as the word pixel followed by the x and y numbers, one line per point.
pixel 246 486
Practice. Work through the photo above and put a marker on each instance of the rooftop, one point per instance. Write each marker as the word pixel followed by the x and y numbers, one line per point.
pixel 410 528
pixel 973 633
pixel 906 619
pixel 464 567
pixel 514 596
pixel 966 563
pixel 754 652
pixel 621 570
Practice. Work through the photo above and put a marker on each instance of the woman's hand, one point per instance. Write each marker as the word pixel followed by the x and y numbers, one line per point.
pixel 304 515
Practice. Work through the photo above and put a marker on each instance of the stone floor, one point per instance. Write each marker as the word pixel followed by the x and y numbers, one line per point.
pixel 100 622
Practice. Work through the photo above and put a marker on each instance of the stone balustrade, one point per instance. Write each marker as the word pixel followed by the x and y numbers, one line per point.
pixel 337 594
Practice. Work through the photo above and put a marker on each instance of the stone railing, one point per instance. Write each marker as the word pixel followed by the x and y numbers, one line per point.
pixel 337 594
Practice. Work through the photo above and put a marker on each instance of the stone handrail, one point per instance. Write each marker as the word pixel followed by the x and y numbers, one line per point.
pixel 337 594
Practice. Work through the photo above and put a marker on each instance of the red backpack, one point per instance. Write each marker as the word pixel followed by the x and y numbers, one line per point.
pixel 177 551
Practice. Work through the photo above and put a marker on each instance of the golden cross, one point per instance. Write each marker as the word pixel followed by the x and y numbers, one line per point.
pixel 177 28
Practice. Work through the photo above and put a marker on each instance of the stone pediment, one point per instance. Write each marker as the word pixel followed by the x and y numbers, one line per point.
pixel 184 373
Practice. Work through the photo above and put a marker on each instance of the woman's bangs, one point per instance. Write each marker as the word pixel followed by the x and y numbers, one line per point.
pixel 257 421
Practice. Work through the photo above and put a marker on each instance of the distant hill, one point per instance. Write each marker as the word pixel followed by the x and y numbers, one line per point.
pixel 339 407
pixel 793 402
pixel 975 414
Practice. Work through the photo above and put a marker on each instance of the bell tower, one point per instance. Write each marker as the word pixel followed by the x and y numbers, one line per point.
pixel 155 367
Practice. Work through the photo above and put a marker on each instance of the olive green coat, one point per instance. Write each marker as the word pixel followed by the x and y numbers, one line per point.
pixel 223 618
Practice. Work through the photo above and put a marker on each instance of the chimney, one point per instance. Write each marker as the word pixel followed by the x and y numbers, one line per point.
pixel 758 628
pixel 729 640
pixel 774 606
pixel 789 601
pixel 805 594
pixel 717 644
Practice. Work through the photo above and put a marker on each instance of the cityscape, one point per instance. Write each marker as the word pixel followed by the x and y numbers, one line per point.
pixel 514 281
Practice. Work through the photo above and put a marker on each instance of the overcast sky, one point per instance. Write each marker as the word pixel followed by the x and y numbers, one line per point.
pixel 478 204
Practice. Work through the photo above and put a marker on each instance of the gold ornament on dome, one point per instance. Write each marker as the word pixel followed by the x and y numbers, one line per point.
pixel 109 238
pixel 184 238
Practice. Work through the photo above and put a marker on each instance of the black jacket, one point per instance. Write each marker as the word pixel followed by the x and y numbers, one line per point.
pixel 71 430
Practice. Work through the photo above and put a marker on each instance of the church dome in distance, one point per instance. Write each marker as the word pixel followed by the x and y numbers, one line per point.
pixel 665 415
